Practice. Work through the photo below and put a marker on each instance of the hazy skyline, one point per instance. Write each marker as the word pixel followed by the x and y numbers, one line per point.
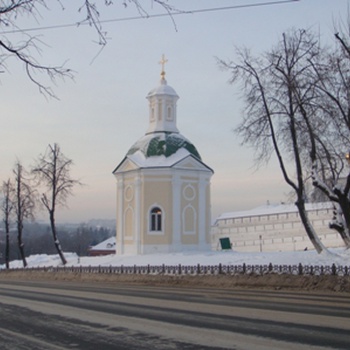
pixel 104 111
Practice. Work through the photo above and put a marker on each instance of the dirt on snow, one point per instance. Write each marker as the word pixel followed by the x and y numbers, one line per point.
pixel 324 283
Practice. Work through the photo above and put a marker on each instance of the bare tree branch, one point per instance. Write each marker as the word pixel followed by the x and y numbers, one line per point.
pixel 24 203
pixel 280 110
pixel 12 10
pixel 7 207
pixel 52 171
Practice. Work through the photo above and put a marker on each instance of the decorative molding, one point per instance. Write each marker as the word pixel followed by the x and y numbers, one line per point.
pixel 189 192
pixel 128 193
pixel 193 218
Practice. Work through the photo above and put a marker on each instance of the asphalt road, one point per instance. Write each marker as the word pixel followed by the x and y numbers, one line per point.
pixel 97 316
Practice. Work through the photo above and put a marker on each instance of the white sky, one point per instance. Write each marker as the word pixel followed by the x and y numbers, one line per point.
pixel 104 111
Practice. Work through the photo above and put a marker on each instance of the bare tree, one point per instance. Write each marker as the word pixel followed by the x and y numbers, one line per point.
pixel 7 210
pixel 23 203
pixel 330 173
pixel 280 111
pixel 53 172
pixel 88 12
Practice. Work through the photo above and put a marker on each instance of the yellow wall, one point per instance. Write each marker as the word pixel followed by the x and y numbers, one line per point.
pixel 142 189
pixel 157 191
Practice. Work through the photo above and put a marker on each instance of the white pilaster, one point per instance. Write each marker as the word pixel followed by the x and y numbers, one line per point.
pixel 120 216
pixel 202 210
pixel 138 215
pixel 176 239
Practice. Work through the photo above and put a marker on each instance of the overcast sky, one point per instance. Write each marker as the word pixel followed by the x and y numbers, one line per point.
pixel 104 111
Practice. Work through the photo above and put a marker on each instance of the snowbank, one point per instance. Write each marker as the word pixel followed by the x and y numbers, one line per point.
pixel 339 256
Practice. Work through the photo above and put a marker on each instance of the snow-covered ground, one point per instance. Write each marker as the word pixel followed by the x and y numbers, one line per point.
pixel 338 256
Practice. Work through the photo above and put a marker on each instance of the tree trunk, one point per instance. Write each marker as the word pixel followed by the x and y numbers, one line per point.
pixel 345 208
pixel 309 228
pixel 7 248
pixel 55 238
pixel 339 223
pixel 21 244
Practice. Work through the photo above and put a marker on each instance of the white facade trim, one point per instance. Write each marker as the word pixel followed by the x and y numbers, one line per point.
pixel 194 230
pixel 137 213
pixel 176 238
pixel 132 236
pixel 120 210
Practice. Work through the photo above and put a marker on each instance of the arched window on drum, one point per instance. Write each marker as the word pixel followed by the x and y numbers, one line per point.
pixel 156 219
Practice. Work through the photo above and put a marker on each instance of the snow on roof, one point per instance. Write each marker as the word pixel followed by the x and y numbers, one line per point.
pixel 162 143
pixel 270 209
pixel 142 160
pixel 108 244
pixel 162 89
pixel 158 161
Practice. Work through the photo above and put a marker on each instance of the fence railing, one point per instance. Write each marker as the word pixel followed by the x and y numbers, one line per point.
pixel 198 269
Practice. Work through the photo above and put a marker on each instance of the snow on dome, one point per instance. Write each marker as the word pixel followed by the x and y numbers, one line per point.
pixel 163 144
pixel 162 89
pixel 158 161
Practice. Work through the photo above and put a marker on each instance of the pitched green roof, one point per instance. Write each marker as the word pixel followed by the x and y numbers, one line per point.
pixel 158 144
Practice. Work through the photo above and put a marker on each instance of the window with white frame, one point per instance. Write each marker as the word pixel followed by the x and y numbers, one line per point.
pixel 156 219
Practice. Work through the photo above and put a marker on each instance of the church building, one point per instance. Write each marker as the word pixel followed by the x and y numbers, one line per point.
pixel 163 186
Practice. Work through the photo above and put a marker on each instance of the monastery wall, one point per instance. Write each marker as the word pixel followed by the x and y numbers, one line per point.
pixel 280 231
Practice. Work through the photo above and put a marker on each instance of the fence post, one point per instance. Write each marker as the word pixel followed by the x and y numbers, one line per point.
pixel 334 269
pixel 300 269
pixel 179 269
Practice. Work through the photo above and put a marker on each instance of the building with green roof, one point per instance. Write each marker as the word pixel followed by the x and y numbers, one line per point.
pixel 163 186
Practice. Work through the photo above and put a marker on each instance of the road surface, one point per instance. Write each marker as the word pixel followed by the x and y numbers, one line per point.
pixel 60 315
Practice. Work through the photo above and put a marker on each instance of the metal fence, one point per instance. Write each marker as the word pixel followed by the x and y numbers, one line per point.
pixel 193 270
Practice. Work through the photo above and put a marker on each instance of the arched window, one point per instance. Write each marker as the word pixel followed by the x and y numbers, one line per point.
pixel 156 219
pixel 170 114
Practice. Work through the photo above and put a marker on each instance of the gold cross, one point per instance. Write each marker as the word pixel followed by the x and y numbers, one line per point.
pixel 162 62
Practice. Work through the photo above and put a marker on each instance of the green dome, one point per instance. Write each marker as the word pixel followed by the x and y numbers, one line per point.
pixel 163 144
